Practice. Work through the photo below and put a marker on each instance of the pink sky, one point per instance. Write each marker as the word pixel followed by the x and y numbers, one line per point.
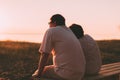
pixel 98 17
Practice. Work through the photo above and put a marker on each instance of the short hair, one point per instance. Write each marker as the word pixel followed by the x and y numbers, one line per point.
pixel 58 19
pixel 77 30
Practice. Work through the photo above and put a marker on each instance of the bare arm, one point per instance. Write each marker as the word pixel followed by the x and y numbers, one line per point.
pixel 42 62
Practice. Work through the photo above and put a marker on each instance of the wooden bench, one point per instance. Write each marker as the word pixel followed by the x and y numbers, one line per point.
pixel 107 72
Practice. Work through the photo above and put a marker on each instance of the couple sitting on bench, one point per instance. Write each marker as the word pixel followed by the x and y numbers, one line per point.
pixel 72 57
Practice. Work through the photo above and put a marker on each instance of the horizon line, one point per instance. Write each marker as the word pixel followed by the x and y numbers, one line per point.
pixel 43 34
pixel 20 33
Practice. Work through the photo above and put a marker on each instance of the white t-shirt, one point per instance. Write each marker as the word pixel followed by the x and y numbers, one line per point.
pixel 92 54
pixel 68 57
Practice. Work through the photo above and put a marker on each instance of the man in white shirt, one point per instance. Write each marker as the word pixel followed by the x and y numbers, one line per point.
pixel 68 58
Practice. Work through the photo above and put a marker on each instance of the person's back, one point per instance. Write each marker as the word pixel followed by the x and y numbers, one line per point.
pixel 92 54
pixel 90 49
pixel 68 57
pixel 67 54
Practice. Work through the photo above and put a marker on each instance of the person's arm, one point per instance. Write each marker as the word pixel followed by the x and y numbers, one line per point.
pixel 41 65
pixel 45 48
pixel 42 62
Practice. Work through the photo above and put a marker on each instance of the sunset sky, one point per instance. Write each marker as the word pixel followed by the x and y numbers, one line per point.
pixel 98 17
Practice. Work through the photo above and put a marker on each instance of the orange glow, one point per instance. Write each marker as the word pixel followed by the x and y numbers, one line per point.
pixel 99 18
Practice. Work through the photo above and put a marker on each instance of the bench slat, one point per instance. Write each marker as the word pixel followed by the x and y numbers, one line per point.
pixel 100 76
pixel 111 64
pixel 107 70
pixel 109 67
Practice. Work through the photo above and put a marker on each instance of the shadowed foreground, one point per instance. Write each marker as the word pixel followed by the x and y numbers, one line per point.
pixel 18 60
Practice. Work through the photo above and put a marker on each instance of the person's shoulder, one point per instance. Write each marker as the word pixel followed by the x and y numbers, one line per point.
pixel 51 29
pixel 88 36
pixel 57 28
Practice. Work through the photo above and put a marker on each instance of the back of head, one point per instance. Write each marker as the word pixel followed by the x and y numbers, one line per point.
pixel 77 30
pixel 58 19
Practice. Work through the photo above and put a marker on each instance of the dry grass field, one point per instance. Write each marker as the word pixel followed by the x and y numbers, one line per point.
pixel 18 60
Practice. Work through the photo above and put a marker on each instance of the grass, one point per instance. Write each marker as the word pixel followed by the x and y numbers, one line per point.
pixel 110 50
pixel 18 60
